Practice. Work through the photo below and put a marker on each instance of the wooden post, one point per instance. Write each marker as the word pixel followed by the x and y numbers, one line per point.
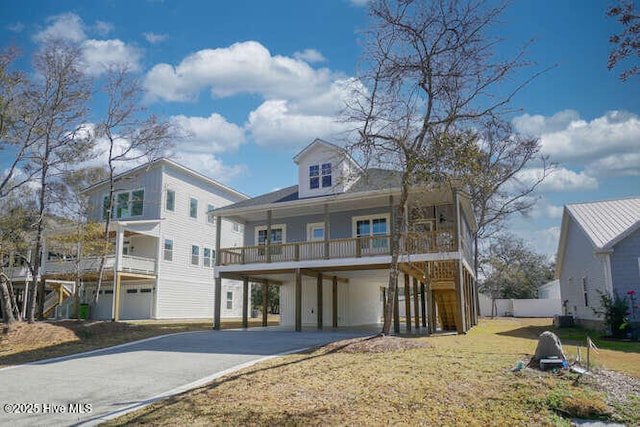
pixel 396 311
pixel 217 303
pixel 460 317
pixel 424 307
pixel 268 241
pixel 326 231
pixel 415 303
pixel 245 301
pixel 384 301
pixel 407 302
pixel 116 298
pixel 319 296
pixel 265 303
pixel 298 321
pixel 334 298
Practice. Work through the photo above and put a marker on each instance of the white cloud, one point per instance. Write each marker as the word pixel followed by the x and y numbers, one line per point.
pixel 309 55
pixel 209 165
pixel 211 134
pixel 560 179
pixel 274 124
pixel 359 3
pixel 154 38
pixel 97 55
pixel 246 67
pixel 605 146
pixel 100 55
pixel 18 27
pixel 67 26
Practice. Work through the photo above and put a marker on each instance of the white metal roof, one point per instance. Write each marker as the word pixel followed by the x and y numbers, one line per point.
pixel 607 222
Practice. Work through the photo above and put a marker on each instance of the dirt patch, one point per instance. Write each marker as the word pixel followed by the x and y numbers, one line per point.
pixel 376 344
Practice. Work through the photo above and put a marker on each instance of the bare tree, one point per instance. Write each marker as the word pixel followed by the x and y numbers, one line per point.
pixel 627 43
pixel 432 78
pixel 57 106
pixel 130 136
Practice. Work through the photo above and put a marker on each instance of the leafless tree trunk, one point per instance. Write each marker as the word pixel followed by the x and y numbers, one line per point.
pixel 431 79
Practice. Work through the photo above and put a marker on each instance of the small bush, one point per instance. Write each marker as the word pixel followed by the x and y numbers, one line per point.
pixel 615 312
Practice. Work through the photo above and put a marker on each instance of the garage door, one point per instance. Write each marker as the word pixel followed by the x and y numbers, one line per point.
pixel 136 302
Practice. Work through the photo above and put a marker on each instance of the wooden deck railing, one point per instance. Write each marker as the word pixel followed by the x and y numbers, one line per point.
pixel 358 247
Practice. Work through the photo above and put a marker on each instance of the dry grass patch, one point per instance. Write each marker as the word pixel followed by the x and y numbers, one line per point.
pixel 448 380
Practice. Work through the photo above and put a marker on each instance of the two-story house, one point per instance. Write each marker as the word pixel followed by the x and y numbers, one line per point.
pixel 326 243
pixel 163 258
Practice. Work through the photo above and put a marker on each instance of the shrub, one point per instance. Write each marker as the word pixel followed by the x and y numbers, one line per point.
pixel 615 312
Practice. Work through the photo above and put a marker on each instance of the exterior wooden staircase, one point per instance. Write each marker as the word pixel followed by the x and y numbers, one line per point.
pixel 61 291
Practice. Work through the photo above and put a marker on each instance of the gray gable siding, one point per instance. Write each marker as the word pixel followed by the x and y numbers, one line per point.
pixel 625 268
pixel 340 224
pixel 580 262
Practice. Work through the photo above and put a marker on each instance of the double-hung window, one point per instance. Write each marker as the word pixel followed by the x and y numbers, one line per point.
pixel 195 255
pixel 229 300
pixel 320 175
pixel 170 201
pixel 193 207
pixel 210 218
pixel 208 257
pixel 126 204
pixel 372 233
pixel 168 250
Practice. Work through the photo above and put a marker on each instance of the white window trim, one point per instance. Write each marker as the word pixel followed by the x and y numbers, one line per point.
pixel 355 219
pixel 173 249
pixel 273 226
pixel 189 208
pixel 166 190
pixel 310 227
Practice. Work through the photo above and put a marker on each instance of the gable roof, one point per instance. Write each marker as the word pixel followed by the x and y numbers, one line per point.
pixel 317 142
pixel 607 222
pixel 175 165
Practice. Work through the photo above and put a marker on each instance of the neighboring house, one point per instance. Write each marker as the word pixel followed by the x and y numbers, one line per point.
pixel 162 263
pixel 599 252
pixel 326 243
pixel 550 290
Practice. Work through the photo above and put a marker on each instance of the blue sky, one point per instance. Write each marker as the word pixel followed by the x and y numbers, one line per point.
pixel 256 81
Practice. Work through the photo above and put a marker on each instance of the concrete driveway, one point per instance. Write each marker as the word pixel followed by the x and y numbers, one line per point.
pixel 88 388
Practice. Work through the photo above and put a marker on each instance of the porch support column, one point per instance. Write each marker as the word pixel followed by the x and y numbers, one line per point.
pixel 431 303
pixel 268 242
pixel 407 301
pixel 326 231
pixel 217 304
pixel 415 303
pixel 115 307
pixel 396 311
pixel 298 321
pixel 319 297
pixel 424 307
pixel 245 301
pixel 334 302
pixel 458 280
pixel 265 303
pixel 217 291
pixel 116 297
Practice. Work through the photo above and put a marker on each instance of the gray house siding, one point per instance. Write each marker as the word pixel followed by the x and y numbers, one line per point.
pixel 580 264
pixel 625 265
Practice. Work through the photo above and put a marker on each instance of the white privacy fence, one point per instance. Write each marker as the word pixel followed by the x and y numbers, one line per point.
pixel 521 307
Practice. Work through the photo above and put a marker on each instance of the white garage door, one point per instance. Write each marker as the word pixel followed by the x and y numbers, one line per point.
pixel 136 302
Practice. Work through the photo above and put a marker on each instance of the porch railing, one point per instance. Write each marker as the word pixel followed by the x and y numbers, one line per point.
pixel 132 264
pixel 357 247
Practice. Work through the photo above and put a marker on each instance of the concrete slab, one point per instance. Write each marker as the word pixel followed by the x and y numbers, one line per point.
pixel 87 388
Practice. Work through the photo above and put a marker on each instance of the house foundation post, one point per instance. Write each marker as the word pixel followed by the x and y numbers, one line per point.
pixel 415 303
pixel 217 303
pixel 407 302
pixel 334 302
pixel 245 302
pixel 396 311
pixel 265 303
pixel 298 321
pixel 319 297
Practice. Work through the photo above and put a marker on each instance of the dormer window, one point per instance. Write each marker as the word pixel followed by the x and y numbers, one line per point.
pixel 319 174
pixel 314 177
pixel 326 175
